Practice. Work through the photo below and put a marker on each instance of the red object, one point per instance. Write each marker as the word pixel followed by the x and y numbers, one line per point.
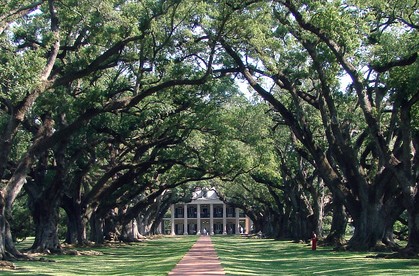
pixel 314 242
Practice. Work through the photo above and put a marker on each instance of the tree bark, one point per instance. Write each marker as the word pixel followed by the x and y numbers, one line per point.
pixel 96 229
pixel 72 233
pixel 46 230
pixel 130 232
pixel 301 217
pixel 370 228
pixel 110 226
pixel 317 195
pixel 413 220
pixel 336 236
pixel 76 227
pixel 2 227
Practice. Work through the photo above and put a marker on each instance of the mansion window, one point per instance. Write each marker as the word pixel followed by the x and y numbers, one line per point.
pixel 218 212
pixel 192 212
pixel 231 212
pixel 205 213
pixel 179 212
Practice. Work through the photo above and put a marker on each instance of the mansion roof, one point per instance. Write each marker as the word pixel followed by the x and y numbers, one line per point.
pixel 205 195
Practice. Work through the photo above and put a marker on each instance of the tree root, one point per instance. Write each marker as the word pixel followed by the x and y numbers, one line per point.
pixel 6 265
pixel 405 253
pixel 82 253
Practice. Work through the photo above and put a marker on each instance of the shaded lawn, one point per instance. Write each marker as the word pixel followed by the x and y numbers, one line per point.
pixel 153 257
pixel 242 256
pixel 239 256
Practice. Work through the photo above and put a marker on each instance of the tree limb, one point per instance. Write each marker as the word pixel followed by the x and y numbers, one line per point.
pixel 404 61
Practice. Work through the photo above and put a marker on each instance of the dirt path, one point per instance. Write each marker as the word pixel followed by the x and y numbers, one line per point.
pixel 201 259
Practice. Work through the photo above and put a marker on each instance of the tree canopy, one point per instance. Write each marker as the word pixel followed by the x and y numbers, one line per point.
pixel 127 105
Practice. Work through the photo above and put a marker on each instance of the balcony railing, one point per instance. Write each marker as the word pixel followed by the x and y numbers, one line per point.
pixel 205 213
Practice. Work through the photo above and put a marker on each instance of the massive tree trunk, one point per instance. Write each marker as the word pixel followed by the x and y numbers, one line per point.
pixel 45 193
pixel 317 195
pixel 130 232
pixel 146 219
pixel 150 219
pixel 17 115
pixel 7 246
pixel 2 227
pixel 18 180
pixel 284 232
pixel 10 193
pixel 46 215
pixel 413 220
pixel 77 218
pixel 410 184
pixel 76 226
pixel 258 221
pixel 97 229
pixel 155 225
pixel 369 228
pixel 110 226
pixel 374 223
pixel 388 238
pixel 392 211
pixel 301 216
pixel 72 229
pixel 281 217
pixel 301 228
pixel 336 236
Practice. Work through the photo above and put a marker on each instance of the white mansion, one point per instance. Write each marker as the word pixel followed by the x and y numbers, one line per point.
pixel 206 214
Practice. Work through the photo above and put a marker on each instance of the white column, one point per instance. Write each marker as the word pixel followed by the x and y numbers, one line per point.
pixel 185 219
pixel 198 219
pixel 211 219
pixel 237 221
pixel 172 220
pixel 224 219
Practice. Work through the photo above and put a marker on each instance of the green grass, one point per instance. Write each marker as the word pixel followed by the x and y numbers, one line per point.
pixel 241 256
pixel 153 257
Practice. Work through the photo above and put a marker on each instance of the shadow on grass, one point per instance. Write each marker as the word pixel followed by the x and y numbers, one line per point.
pixel 152 257
pixel 240 256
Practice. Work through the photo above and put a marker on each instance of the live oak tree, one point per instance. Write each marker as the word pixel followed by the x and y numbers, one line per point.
pixel 247 126
pixel 167 162
pixel 303 48
pixel 373 104
pixel 280 195
pixel 102 56
pixel 78 80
